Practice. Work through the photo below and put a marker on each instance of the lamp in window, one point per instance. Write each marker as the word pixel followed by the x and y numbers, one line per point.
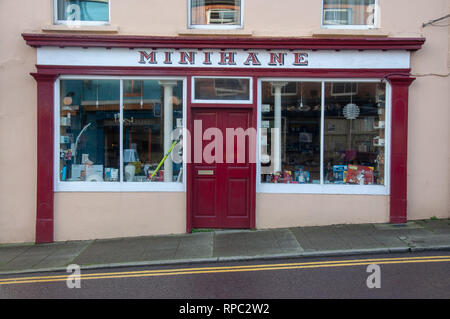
pixel 351 111
pixel 130 156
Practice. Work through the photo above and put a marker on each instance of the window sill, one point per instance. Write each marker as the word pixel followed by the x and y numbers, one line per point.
pixel 349 32
pixel 228 32
pixel 105 187
pixel 325 189
pixel 80 28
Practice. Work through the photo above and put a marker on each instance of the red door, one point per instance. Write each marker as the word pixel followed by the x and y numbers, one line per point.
pixel 221 171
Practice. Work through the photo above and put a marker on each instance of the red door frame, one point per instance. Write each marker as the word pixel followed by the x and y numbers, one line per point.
pixel 189 168
pixel 192 167
pixel 46 75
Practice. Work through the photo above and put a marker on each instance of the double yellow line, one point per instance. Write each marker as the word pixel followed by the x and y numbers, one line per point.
pixel 225 269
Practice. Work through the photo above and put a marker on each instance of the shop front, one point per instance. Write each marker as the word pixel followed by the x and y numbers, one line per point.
pixel 229 123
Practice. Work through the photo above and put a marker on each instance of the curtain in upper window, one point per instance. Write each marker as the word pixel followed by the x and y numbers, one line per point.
pixel 215 12
pixel 348 12
pixel 83 10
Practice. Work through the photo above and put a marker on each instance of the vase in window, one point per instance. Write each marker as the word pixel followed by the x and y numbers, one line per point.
pixel 130 170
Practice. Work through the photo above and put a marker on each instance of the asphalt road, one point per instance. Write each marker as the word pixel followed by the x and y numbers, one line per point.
pixel 412 275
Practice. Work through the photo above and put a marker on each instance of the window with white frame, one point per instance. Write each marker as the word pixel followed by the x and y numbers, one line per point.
pixel 218 14
pixel 318 137
pixel 349 13
pixel 222 90
pixel 88 12
pixel 112 138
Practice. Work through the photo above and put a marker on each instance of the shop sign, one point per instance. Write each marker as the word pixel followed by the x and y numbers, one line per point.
pixel 224 58
pixel 231 58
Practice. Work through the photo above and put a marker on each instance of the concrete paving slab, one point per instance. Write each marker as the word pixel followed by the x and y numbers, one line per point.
pixel 111 251
pixel 158 254
pixel 30 257
pixel 392 242
pixel 355 230
pixel 287 241
pixel 200 245
pixel 63 255
pixel 440 226
pixel 255 243
pixel 361 242
pixel 319 230
pixel 438 240
pixel 9 252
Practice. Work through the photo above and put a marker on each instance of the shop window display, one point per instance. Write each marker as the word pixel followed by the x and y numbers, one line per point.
pixel 144 130
pixel 354 135
pixel 90 129
pixel 354 139
pixel 294 107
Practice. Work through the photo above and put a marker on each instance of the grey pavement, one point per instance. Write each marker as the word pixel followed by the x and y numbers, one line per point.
pixel 228 245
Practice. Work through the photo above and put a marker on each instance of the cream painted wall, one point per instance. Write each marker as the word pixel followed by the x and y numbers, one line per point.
pixel 17 122
pixel 83 216
pixel 290 210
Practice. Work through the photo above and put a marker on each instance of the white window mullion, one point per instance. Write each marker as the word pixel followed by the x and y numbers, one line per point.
pixel 121 131
pixel 322 131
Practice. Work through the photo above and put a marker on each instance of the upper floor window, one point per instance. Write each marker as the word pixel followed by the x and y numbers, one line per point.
pixel 88 12
pixel 349 13
pixel 215 14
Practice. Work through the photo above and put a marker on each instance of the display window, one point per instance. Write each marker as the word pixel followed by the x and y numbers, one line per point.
pixel 354 135
pixel 349 13
pixel 215 13
pixel 294 108
pixel 331 135
pixel 118 131
pixel 88 12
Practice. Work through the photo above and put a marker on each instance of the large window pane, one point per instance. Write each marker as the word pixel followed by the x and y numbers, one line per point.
pixel 348 12
pixel 83 10
pixel 294 110
pixel 215 12
pixel 89 130
pixel 354 129
pixel 144 130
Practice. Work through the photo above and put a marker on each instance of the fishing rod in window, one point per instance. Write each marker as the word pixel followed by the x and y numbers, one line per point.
pixel 165 157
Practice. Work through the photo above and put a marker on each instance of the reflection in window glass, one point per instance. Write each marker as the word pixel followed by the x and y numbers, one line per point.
pixel 294 107
pixel 215 12
pixel 89 130
pixel 354 134
pixel 144 135
pixel 223 89
pixel 83 10
pixel 348 12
